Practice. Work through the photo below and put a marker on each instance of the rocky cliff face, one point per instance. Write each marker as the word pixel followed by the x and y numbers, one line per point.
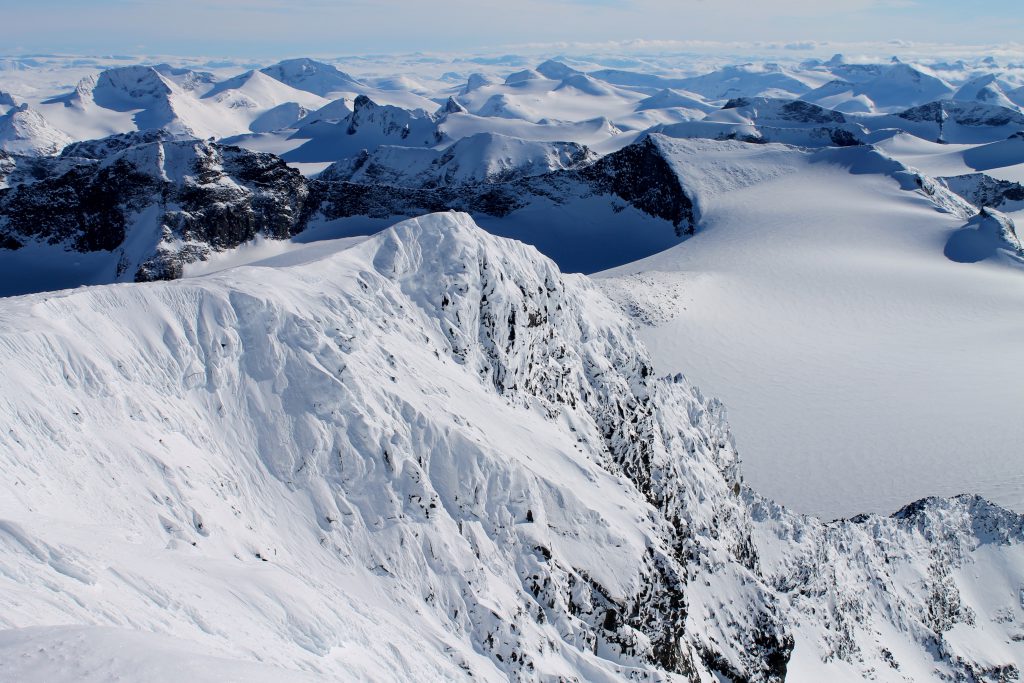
pixel 985 191
pixel 964 113
pixel 437 436
pixel 638 175
pixel 155 202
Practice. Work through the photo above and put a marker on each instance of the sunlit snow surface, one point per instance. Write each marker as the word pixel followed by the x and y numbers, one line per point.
pixel 413 457
pixel 861 366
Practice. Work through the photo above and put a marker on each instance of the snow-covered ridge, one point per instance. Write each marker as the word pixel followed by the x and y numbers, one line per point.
pixel 26 131
pixel 484 157
pixel 150 202
pixel 434 455
pixel 157 202
pixel 312 76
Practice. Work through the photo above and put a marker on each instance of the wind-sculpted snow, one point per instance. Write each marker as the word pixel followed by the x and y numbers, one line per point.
pixel 434 456
pixel 987 235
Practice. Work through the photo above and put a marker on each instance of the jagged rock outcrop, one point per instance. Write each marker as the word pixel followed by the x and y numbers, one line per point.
pixel 983 190
pixel 640 175
pixel 480 158
pixel 154 203
pixel 637 174
pixel 440 420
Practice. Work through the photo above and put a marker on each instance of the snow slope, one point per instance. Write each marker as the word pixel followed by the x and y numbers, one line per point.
pixel 312 76
pixel 484 157
pixel 877 87
pixel 252 96
pixel 25 131
pixel 433 456
pixel 368 126
pixel 860 364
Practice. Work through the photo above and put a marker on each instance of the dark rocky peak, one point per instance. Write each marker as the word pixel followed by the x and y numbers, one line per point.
pixel 522 77
pixel 155 205
pixel 451 106
pixel 475 81
pixel 363 102
pixel 641 175
pixel 976 114
pixel 777 109
pixel 983 190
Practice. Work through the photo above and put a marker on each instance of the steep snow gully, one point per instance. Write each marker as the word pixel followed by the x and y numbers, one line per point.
pixel 433 456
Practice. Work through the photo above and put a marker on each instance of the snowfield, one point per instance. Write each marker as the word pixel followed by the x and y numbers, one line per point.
pixel 385 368
pixel 820 301
pixel 431 455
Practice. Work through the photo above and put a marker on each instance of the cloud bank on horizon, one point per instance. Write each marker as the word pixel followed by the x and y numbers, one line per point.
pixel 256 27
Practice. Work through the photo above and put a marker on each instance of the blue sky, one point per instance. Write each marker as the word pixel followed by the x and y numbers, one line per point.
pixel 281 27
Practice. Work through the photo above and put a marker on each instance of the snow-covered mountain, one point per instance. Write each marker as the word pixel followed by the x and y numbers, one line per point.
pixel 746 80
pixel 263 103
pixel 551 195
pixel 321 451
pixel 988 89
pixel 141 206
pixel 26 131
pixel 433 455
pixel 961 122
pixel 368 126
pixel 138 207
pixel 312 76
pixel 877 87
pixel 484 157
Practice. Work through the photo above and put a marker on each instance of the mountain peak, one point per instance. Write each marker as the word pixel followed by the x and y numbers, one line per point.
pixel 312 76
pixel 451 106
pixel 25 131
pixel 556 70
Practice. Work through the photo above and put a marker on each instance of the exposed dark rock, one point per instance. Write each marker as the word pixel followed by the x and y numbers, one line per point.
pixel 182 199
pixel 983 190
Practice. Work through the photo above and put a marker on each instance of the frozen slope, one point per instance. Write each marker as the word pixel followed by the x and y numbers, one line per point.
pixel 433 457
pixel 861 366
